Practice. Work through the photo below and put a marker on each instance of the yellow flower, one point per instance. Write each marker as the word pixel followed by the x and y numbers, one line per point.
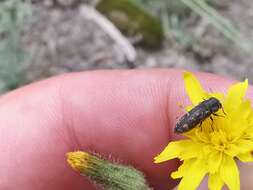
pixel 213 149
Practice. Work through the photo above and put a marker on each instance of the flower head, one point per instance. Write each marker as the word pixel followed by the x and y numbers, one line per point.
pixel 107 174
pixel 213 148
pixel 79 160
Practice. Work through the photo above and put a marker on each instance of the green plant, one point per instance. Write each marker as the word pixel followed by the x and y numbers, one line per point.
pixel 12 58
pixel 107 174
pixel 165 9
pixel 133 21
pixel 219 22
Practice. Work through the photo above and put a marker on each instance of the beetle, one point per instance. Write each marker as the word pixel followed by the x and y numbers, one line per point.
pixel 198 114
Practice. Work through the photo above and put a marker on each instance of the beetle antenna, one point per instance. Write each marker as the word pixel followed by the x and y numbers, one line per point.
pixel 181 107
pixel 210 90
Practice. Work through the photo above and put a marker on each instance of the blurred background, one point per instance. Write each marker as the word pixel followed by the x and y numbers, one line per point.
pixel 43 38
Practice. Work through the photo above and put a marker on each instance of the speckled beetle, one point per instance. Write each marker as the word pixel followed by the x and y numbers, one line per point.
pixel 198 114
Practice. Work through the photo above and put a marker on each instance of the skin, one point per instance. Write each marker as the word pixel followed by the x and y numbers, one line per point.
pixel 129 115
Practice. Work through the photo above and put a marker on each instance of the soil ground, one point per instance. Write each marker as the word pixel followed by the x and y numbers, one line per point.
pixel 61 40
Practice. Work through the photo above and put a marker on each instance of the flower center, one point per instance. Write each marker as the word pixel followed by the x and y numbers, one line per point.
pixel 218 140
pixel 221 146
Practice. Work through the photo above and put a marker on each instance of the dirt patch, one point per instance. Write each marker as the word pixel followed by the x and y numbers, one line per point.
pixel 62 40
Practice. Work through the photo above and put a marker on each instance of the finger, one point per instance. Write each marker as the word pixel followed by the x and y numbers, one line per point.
pixel 126 114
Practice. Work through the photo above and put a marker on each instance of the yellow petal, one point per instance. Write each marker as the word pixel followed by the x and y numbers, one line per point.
pixel 215 182
pixel 201 135
pixel 239 119
pixel 246 157
pixel 245 145
pixel 249 131
pixel 219 96
pixel 193 150
pixel 194 89
pixel 189 108
pixel 250 119
pixel 229 173
pixel 214 161
pixel 233 150
pixel 182 170
pixel 173 150
pixel 193 176
pixel 236 94
pixel 244 110
pixel 236 128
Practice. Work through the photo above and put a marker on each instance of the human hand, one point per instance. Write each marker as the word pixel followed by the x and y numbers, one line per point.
pixel 129 115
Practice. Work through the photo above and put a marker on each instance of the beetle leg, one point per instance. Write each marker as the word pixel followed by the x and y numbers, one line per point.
pixel 218 115
pixel 200 125
pixel 223 111
pixel 212 123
